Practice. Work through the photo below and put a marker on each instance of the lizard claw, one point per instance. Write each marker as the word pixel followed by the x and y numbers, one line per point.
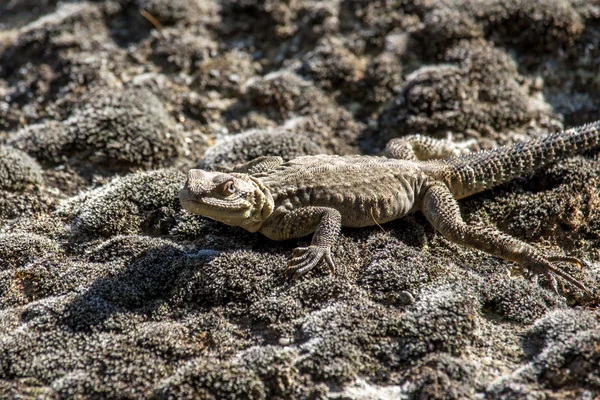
pixel 570 260
pixel 306 258
pixel 533 278
pixel 544 267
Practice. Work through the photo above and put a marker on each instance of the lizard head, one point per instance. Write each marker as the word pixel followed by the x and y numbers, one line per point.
pixel 234 199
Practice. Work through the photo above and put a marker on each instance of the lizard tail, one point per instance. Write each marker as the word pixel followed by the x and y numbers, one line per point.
pixel 476 172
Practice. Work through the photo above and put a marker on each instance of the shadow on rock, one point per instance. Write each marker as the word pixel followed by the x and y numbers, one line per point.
pixel 139 288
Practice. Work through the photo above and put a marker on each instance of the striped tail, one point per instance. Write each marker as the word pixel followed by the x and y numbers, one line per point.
pixel 476 172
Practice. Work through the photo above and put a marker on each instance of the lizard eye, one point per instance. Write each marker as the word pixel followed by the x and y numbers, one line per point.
pixel 228 188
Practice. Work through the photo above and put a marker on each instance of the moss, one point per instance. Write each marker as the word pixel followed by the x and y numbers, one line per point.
pixel 382 80
pixel 234 276
pixel 210 380
pixel 334 336
pixel 479 89
pixel 276 309
pixel 119 293
pixel 441 376
pixel 114 130
pixel 17 170
pixel 283 95
pixel 337 340
pixel 21 248
pixel 518 300
pixel 288 142
pixel 22 190
pixel 572 363
pixel 176 52
pixel 439 321
pixel 226 73
pixel 395 269
pixel 171 12
pixel 137 203
pixel 135 287
pixel 376 19
pixel 544 27
pixel 73 364
pixel 564 355
pixel 555 328
pixel 67 27
pixel 331 65
pixel 444 26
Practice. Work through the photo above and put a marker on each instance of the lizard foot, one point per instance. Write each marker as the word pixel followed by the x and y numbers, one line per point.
pixel 460 148
pixel 545 267
pixel 306 258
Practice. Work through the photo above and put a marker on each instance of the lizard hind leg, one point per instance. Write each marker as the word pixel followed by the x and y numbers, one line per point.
pixel 441 209
pixel 419 147
pixel 259 164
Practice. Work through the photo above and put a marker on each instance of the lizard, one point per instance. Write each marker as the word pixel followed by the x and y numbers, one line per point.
pixel 321 193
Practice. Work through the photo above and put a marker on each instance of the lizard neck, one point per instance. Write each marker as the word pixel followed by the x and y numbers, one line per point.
pixel 263 205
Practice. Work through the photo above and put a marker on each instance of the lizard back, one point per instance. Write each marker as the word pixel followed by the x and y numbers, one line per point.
pixel 366 190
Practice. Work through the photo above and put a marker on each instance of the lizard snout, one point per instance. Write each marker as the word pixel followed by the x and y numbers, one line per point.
pixel 197 175
pixel 196 184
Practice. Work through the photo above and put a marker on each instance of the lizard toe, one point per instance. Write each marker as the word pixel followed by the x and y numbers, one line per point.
pixel 533 278
pixel 307 258
pixel 545 267
pixel 299 255
pixel 304 269
pixel 330 263
pixel 553 281
pixel 299 265
pixel 569 260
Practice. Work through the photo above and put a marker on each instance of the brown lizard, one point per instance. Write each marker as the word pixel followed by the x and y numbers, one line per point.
pixel 322 193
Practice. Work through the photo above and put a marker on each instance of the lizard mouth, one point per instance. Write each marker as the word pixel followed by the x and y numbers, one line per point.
pixel 186 198
pixel 208 206
pixel 189 203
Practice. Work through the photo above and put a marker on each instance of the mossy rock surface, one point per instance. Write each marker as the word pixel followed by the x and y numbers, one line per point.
pixel 108 289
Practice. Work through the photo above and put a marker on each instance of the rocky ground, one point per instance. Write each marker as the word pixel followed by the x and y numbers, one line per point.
pixel 108 289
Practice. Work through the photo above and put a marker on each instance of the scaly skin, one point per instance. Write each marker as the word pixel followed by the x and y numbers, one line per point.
pixel 322 193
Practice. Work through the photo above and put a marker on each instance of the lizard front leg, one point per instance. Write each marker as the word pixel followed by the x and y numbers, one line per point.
pixel 419 147
pixel 326 224
pixel 441 209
